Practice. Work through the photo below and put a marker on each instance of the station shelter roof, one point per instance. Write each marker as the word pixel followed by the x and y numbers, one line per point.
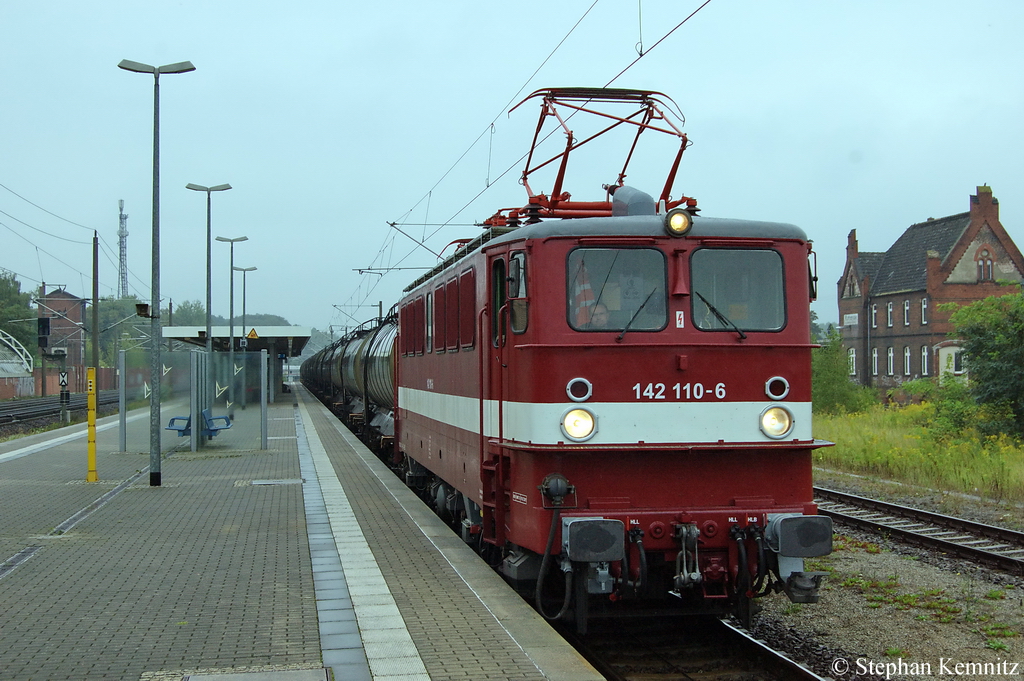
pixel 274 339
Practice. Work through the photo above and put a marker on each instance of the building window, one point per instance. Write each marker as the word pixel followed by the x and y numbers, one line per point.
pixel 924 310
pixel 985 265
pixel 958 362
pixel 874 316
pixel 889 371
pixel 906 313
pixel 851 356
pixel 874 361
pixel 924 360
pixel 888 314
pixel 906 360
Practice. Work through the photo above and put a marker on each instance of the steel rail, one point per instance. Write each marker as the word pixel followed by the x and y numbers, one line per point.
pixel 997 547
pixel 41 407
pixel 624 655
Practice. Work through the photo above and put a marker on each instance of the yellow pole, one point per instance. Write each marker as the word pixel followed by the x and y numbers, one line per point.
pixel 90 375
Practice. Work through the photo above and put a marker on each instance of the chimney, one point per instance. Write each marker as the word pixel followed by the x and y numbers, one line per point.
pixel 851 245
pixel 984 205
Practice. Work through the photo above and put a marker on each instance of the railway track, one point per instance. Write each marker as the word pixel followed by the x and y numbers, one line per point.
pixel 993 546
pixel 25 409
pixel 680 649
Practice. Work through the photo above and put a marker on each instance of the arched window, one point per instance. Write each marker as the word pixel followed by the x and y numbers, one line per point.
pixel 924 360
pixel 984 259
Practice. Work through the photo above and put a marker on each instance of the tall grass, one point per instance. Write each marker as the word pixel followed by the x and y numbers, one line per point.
pixel 904 444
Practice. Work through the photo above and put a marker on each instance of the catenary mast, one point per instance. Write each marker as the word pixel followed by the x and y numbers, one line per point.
pixel 122 238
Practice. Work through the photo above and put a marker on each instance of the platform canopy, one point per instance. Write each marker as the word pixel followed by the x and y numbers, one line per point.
pixel 276 340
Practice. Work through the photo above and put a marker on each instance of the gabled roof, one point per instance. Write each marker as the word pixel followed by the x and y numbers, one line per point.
pixel 904 267
pixel 868 264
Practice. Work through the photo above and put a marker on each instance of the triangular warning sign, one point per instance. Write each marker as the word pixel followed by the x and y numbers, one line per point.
pixel 252 334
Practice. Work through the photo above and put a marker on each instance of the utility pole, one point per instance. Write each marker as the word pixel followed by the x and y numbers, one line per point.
pixel 122 240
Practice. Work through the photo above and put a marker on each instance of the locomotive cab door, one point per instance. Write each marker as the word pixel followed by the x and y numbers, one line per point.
pixel 495 462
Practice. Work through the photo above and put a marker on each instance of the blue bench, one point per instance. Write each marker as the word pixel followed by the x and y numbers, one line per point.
pixel 211 424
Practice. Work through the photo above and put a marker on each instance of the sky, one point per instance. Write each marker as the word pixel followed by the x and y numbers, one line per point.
pixel 331 120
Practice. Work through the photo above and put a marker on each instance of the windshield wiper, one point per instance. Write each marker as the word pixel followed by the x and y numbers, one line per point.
pixel 721 317
pixel 631 319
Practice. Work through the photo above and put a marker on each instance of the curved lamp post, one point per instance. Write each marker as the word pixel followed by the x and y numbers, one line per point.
pixel 231 324
pixel 209 257
pixel 245 363
pixel 155 432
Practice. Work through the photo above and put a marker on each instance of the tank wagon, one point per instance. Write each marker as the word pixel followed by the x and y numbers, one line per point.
pixel 610 400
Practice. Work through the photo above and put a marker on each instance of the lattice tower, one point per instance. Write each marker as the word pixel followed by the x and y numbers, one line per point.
pixel 122 239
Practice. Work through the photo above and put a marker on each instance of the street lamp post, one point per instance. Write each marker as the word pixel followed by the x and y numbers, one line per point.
pixel 231 325
pixel 155 335
pixel 243 270
pixel 209 257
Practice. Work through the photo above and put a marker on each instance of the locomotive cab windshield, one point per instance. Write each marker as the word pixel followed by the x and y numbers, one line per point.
pixel 738 289
pixel 616 289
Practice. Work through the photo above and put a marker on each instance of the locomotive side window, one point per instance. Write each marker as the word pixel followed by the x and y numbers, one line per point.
pixel 467 307
pixel 439 319
pixel 737 289
pixel 429 320
pixel 517 291
pixel 417 326
pixel 497 302
pixel 451 298
pixel 615 289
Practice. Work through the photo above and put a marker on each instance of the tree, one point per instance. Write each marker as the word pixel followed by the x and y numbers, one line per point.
pixel 190 313
pixel 992 332
pixel 832 391
pixel 14 305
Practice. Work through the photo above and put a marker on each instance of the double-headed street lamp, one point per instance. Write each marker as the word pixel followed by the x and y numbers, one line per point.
pixel 231 322
pixel 209 257
pixel 243 270
pixel 155 430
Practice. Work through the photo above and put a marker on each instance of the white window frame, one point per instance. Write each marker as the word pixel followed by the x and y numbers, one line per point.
pixel 906 313
pixel 888 314
pixel 924 310
pixel 874 361
pixel 874 316
pixel 889 362
pixel 906 360
pixel 924 360
pixel 851 358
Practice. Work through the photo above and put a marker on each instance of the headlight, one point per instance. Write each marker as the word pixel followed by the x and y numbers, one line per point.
pixel 579 425
pixel 678 222
pixel 776 422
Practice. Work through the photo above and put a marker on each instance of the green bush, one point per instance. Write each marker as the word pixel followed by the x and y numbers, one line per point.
pixel 832 391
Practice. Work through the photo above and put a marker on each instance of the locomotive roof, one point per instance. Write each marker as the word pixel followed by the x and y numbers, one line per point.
pixel 653 226
pixel 634 215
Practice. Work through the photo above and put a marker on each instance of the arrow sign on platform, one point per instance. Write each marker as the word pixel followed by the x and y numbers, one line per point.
pixel 220 390
pixel 145 389
pixel 167 370
pixel 237 369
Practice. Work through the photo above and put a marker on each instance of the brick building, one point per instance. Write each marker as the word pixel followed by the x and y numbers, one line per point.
pixel 892 328
pixel 66 313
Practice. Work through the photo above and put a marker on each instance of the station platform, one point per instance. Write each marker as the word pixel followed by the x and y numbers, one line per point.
pixel 308 560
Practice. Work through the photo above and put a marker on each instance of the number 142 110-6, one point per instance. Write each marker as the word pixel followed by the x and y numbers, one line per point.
pixel 679 391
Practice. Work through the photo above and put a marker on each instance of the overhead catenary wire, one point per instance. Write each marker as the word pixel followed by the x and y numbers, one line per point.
pixel 489 128
pixel 105 247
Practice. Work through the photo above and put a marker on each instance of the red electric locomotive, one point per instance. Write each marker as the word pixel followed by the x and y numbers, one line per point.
pixel 611 399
